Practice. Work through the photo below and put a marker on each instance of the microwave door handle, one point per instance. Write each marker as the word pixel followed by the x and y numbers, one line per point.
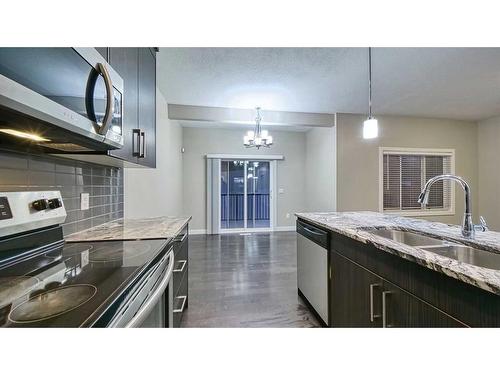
pixel 151 302
pixel 108 115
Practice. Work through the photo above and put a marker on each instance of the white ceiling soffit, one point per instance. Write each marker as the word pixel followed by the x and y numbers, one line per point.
pixel 242 127
pixel 455 83
pixel 247 116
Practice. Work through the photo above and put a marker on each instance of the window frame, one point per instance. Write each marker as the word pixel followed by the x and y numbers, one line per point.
pixel 415 151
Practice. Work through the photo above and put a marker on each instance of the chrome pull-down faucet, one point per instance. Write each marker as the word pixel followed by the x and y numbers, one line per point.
pixel 468 227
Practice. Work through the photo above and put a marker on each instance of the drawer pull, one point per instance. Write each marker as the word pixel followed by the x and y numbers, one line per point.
pixel 180 239
pixel 184 298
pixel 372 315
pixel 184 262
pixel 384 309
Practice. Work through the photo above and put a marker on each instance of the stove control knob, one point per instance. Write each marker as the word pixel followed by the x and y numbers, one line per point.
pixel 40 204
pixel 55 203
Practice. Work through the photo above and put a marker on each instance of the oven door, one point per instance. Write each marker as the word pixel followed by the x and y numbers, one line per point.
pixel 160 315
pixel 69 89
pixel 150 301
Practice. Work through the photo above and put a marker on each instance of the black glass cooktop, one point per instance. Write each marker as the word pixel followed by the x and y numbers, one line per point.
pixel 72 285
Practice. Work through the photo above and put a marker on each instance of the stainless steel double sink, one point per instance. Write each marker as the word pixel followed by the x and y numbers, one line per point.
pixel 452 250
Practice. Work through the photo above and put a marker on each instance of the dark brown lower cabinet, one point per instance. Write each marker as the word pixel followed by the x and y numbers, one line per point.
pixel 361 299
pixel 354 295
pixel 403 310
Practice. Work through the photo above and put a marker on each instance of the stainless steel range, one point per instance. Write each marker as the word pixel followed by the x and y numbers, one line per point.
pixel 45 282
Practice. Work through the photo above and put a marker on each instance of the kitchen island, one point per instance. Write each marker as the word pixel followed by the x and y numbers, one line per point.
pixel 375 280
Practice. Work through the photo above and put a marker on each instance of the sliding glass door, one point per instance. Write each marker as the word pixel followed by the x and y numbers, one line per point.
pixel 232 190
pixel 245 194
pixel 258 194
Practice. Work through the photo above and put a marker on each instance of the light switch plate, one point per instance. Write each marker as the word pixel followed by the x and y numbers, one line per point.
pixel 281 191
pixel 84 201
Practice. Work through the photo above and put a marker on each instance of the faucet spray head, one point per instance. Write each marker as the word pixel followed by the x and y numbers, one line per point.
pixel 423 198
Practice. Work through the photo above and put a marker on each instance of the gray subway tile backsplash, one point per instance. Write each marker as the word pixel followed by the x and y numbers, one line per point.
pixel 21 172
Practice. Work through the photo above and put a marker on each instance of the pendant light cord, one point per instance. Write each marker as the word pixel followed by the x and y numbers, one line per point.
pixel 369 82
pixel 257 122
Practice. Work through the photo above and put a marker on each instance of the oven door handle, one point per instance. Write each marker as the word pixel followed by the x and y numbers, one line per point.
pixel 147 307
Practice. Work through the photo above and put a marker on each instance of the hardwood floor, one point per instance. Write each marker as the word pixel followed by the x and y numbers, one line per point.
pixel 244 281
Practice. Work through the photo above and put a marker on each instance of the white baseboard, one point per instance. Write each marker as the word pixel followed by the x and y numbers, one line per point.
pixel 197 231
pixel 290 228
pixel 257 230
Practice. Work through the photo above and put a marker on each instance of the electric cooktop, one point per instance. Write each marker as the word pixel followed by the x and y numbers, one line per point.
pixel 72 284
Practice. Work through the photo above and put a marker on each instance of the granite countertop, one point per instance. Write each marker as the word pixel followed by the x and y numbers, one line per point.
pixel 357 224
pixel 163 227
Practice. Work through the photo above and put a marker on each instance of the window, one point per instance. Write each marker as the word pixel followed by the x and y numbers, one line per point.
pixel 403 174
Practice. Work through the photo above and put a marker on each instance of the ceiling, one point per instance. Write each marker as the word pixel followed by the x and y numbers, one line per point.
pixel 455 83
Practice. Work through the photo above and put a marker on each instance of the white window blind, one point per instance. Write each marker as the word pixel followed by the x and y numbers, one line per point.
pixel 405 174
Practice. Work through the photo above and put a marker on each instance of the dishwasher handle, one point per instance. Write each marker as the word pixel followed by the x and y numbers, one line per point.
pixel 317 235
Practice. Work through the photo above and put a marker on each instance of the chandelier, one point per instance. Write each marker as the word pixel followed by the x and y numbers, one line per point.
pixel 258 137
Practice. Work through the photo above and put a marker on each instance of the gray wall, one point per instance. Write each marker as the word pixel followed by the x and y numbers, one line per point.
pixel 320 184
pixel 489 176
pixel 158 192
pixel 290 174
pixel 358 160
pixel 22 172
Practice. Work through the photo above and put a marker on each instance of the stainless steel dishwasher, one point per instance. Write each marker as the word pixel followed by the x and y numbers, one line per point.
pixel 312 268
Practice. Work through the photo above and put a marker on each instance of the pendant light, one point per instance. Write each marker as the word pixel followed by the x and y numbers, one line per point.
pixel 257 138
pixel 370 126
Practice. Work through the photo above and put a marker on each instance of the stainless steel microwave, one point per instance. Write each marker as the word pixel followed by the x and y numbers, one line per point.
pixel 65 99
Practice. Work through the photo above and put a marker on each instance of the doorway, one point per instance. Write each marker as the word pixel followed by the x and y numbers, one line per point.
pixel 246 202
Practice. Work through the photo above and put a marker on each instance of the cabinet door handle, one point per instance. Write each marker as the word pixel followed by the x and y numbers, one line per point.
pixel 372 315
pixel 184 298
pixel 136 142
pixel 182 267
pixel 384 309
pixel 143 145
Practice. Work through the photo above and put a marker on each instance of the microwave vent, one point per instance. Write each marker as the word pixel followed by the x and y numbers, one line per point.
pixel 67 147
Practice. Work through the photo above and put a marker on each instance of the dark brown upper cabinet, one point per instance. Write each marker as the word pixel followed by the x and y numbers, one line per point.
pixel 126 62
pixel 147 107
pixel 137 67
